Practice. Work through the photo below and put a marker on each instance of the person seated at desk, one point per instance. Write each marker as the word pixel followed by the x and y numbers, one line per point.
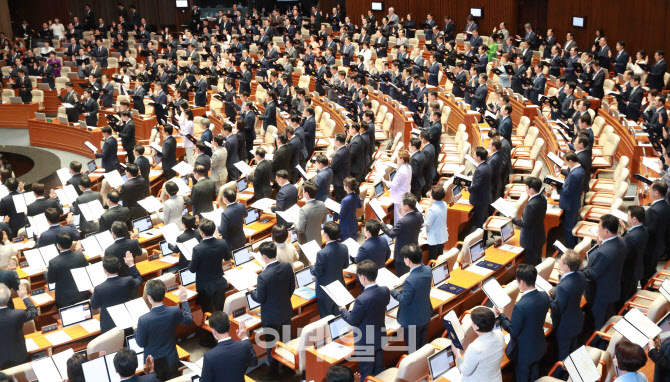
pixel 481 360
pixel 41 203
pixel 13 352
pixel 230 359
pixel 59 272
pixel 50 236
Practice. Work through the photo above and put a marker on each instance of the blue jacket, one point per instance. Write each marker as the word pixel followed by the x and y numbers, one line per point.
pixel 566 313
pixel 571 192
pixel 232 224
pixel 526 328
pixel 156 331
pixel 114 291
pixel 405 232
pixel 480 189
pixel 368 315
pixel 604 270
pixel 49 236
pixel 228 361
pixel 375 249
pixel 109 154
pixel 206 263
pixel 323 180
pixel 274 289
pixel 414 299
pixel 331 260
pixel 347 217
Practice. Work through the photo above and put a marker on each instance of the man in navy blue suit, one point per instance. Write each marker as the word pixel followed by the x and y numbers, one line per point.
pixel 367 318
pixel 480 189
pixel 109 150
pixel 656 223
pixel 415 308
pixel 125 364
pixel 49 236
pixel 571 197
pixel 566 312
pixel 230 359
pixel 636 238
pixel 122 245
pixel 527 343
pixel 331 260
pixel 59 273
pixel 604 270
pixel 17 220
pixel 274 289
pixel 206 264
pixel 323 178
pixel 532 222
pixel 157 330
pixel 406 231
pixel 115 290
pixel 375 247
pixel 231 228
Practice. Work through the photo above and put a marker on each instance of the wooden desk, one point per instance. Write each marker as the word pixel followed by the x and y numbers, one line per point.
pixel 55 135
pixel 16 115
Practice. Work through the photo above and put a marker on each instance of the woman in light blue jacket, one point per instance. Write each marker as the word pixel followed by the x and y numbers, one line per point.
pixel 436 223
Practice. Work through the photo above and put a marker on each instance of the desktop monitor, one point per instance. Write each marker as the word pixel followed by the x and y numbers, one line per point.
pixel 92 166
pixel 476 251
pixel 338 327
pixel 440 362
pixel 75 314
pixel 253 215
pixel 251 303
pixel 578 22
pixel 294 235
pixel 440 272
pixel 507 231
pixel 476 12
pixel 165 248
pixel 377 6
pixel 181 3
pixel 187 277
pixel 143 224
pixel 304 277
pixel 243 255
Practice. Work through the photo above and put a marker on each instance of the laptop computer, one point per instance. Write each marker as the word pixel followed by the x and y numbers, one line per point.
pixel 75 314
pixel 242 184
pixel 243 255
pixel 43 86
pixel 186 277
pixel 41 116
pixel 304 278
pixel 379 189
pixel 337 328
pixel 251 303
pixel 477 251
pixel 440 274
pixel 15 100
pixel 253 215
pixel 507 231
pixel 92 166
pixel 440 362
pixel 146 227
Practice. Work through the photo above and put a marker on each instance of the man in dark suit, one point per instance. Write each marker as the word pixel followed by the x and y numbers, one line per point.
pixel 115 212
pixel 367 316
pixel 656 222
pixel 406 231
pixel 571 197
pixel 536 91
pixel 87 196
pixel 415 309
pixel 229 358
pixel 201 158
pixel 109 150
pixel 50 236
pixel 203 193
pixel 598 81
pixel 331 260
pixel 17 220
pixel 142 162
pixel 13 352
pixel 430 155
pixel 41 203
pixel 24 85
pixel 89 108
pixel 480 189
pixel 375 247
pixel 505 126
pixel 269 116
pixel 296 155
pixel 127 134
pixel 168 153
pixel 283 155
pixel 604 269
pixel 135 189
pixel 527 343
pixel 75 171
pixel 519 72
pixel 632 98
pixel 357 151
pixel 122 245
pixel 532 222
pixel 276 284
pixel 309 126
pixel 620 58
pixel 340 165
pixel 261 176
pixel 231 144
pixel 657 71
pixel 115 290
pixel 232 220
pixel 323 178
pixel 126 365
pixel 286 197
pixel 495 161
pixel 205 263
pixel 636 238
pixel 59 273
pixel 418 163
pixel 156 331
pixel 566 313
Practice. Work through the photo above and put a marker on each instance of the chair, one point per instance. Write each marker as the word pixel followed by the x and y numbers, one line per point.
pixel 38 95
pixel 234 302
pixel 527 144
pixel 516 188
pixel 60 82
pixel 545 267
pixel 464 255
pixel 112 63
pixel 528 164
pixel 21 373
pixel 606 157
pixel 6 94
pixel 168 279
pixel 109 342
pixel 600 182
pixel 304 82
pixel 292 353
pixel 450 257
pixel 412 367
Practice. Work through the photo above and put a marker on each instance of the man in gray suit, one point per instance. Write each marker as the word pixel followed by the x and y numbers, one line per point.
pixel 219 172
pixel 312 215
pixel 87 196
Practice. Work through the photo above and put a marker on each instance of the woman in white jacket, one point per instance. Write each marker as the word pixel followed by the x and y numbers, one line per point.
pixel 482 358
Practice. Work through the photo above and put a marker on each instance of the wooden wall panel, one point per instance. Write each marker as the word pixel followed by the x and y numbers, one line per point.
pixel 641 23
pixel 495 11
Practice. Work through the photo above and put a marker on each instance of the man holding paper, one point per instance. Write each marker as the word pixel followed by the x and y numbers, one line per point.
pixel 203 193
pixel 13 351
pixel 375 247
pixel 261 176
pixel 571 197
pixel 532 222
pixel 636 239
pixel 480 190
pixel 50 236
pixel 115 212
pixel 115 290
pixel 367 318
pixel 566 312
pixel 122 245
pixel 331 260
pixel 87 196
pixel 323 178
pixel 527 342
pixel 286 197
pixel 134 190
pixel 17 220
pixel 656 223
pixel 406 231
pixel 59 273
pixel 109 150
pixel 206 264
pixel 231 227
pixel 312 216
pixel 41 203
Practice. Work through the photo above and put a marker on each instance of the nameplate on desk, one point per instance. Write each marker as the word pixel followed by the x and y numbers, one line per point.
pixel 239 312
pixel 36 292
pixel 172 287
pixel 24 264
pixel 155 257
pixel 49 328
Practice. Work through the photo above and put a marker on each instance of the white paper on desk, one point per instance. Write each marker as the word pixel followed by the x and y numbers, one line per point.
pixel 20 203
pixel 263 204
pixel 151 204
pixel 387 279
pixel 619 214
pixel 338 293
pixel 81 279
pixel 31 345
pixel 58 337
pixel 637 327
pixel 335 350
pixel 511 248
pixel 42 298
pixel 248 231
pixel 241 279
pixel 31 271
pixel 439 294
pixel 580 366
pixel 352 246
pixel 244 168
pixel 471 160
pixel 479 270
pixel 91 147
pixel 310 250
pixel 183 168
pixel 554 158
pixel 170 233
pixel 170 259
pixel 496 293
pixel 155 146
pixel 377 208
pixel 120 316
pixel 155 173
pixel 189 293
pixel 506 208
pixel 91 325
pixel 186 248
pixel 332 205
pixel 453 375
pixel 34 258
pixel 291 215
pixel 652 164
pixel 46 371
pixel 193 367
pixel 542 284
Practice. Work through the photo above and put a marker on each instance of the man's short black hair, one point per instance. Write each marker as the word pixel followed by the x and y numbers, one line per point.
pixel 340 373
pixel 534 183
pixel 111 264
pixel 637 212
pixel 310 188
pixel 610 223
pixel 368 269
pixel 220 322
pixel 64 240
pixel 409 200
pixel 268 249
pixel 230 195
pixel 207 227
pixel 125 362
pixel 412 252
pixel 156 289
pixel 481 153
pixel 52 215
pixel 332 229
pixel 526 273
pixel 373 226
pixel 119 229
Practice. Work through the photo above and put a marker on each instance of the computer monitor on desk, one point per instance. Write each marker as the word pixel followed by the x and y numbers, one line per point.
pixel 63 120
pixel 75 314
pixel 15 100
pixel 41 116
